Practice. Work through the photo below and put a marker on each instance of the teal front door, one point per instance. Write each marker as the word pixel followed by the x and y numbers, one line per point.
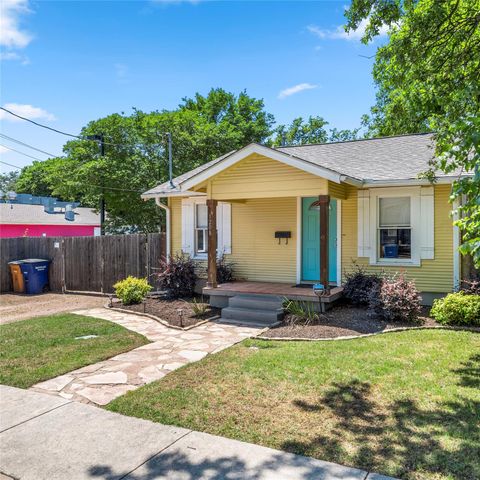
pixel 311 241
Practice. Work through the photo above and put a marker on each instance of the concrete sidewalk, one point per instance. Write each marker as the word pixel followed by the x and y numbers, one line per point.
pixel 44 437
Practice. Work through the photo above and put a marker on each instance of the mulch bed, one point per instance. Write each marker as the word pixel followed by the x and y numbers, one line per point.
pixel 168 311
pixel 343 321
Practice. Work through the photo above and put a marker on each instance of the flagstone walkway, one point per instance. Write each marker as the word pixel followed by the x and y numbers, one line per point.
pixel 102 382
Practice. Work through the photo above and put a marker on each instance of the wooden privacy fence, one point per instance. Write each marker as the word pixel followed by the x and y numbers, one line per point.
pixel 87 264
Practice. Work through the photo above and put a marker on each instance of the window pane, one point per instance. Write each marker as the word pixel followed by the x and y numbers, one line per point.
pixel 394 212
pixel 200 241
pixel 202 216
pixel 395 243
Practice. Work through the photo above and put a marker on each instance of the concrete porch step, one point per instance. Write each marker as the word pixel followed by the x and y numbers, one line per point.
pixel 256 302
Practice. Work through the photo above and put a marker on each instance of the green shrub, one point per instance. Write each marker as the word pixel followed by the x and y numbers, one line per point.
pixel 132 290
pixel 225 272
pixel 457 309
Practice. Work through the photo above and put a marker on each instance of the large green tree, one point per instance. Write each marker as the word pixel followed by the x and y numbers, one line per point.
pixel 312 130
pixel 135 156
pixel 8 181
pixel 428 79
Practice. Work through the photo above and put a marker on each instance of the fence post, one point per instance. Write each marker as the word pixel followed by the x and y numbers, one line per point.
pixel 64 285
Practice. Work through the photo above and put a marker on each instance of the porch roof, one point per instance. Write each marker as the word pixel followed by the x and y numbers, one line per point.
pixel 366 162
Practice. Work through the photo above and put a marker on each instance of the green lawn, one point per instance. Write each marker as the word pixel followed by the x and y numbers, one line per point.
pixel 405 404
pixel 44 347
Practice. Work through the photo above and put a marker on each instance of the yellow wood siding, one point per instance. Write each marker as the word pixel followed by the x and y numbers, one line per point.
pixel 433 275
pixel 260 177
pixel 255 252
pixel 176 224
pixel 337 190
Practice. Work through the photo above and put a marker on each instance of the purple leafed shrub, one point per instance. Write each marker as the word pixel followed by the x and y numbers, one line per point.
pixel 225 272
pixel 470 287
pixel 396 299
pixel 359 284
pixel 177 276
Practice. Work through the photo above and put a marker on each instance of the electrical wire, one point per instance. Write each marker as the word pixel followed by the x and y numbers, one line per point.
pixel 6 137
pixel 21 153
pixel 80 137
pixel 10 164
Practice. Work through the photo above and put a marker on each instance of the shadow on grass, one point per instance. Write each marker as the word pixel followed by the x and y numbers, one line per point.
pixel 403 439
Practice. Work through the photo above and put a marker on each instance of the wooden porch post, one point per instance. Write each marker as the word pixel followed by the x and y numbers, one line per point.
pixel 212 243
pixel 324 202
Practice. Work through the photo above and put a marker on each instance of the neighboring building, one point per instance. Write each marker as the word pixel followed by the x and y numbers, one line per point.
pixel 28 216
pixel 266 205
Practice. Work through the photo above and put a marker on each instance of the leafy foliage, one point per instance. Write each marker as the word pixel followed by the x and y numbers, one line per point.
pixel 471 287
pixel 202 128
pixel 8 181
pixel 457 309
pixel 359 284
pixel 428 79
pixel 395 299
pixel 178 276
pixel 132 290
pixel 313 130
pixel 300 313
pixel 225 271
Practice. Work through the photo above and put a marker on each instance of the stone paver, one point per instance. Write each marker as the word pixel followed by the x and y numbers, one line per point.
pixel 102 382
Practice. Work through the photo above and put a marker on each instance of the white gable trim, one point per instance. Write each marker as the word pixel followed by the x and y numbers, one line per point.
pixel 267 152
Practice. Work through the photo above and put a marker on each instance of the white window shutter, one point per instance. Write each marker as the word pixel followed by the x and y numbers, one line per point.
pixel 188 234
pixel 427 225
pixel 363 219
pixel 226 229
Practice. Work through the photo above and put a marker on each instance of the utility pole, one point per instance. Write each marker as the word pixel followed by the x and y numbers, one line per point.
pixel 101 143
pixel 170 162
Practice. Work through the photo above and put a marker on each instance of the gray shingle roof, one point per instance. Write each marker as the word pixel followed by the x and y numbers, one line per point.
pixel 401 157
pixel 388 158
pixel 35 215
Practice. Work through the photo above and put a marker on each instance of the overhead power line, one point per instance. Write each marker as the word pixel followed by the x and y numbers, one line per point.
pixel 6 137
pixel 21 153
pixel 80 137
pixel 10 164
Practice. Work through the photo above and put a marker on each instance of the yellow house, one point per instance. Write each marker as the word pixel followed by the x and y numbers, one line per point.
pixel 296 216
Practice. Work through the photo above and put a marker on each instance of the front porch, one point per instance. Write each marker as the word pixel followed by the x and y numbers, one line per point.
pixel 219 295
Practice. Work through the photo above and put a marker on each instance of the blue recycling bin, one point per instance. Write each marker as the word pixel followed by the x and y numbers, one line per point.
pixel 391 251
pixel 35 275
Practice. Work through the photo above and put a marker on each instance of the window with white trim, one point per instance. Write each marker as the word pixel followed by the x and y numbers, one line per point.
pixel 394 229
pixel 201 228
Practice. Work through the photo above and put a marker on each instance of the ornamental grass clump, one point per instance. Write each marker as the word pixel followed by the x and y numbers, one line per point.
pixel 300 313
pixel 395 299
pixel 457 308
pixel 132 290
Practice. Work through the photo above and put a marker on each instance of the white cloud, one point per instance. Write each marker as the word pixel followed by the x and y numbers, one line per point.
pixel 5 56
pixel 3 149
pixel 25 110
pixel 296 89
pixel 340 34
pixel 12 35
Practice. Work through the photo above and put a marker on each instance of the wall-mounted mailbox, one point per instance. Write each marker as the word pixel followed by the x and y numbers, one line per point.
pixel 285 235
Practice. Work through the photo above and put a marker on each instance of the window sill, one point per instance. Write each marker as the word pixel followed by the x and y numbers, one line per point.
pixel 380 263
pixel 200 256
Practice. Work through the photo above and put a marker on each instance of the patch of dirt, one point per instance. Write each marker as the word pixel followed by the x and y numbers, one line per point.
pixel 178 313
pixel 15 307
pixel 343 321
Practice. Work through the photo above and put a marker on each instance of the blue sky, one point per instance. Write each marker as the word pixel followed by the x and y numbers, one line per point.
pixel 65 62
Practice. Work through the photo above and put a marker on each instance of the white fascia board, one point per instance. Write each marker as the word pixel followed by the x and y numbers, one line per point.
pixel 267 152
pixel 411 182
pixel 177 193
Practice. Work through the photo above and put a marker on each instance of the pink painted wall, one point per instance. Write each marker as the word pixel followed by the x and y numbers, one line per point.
pixel 12 230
